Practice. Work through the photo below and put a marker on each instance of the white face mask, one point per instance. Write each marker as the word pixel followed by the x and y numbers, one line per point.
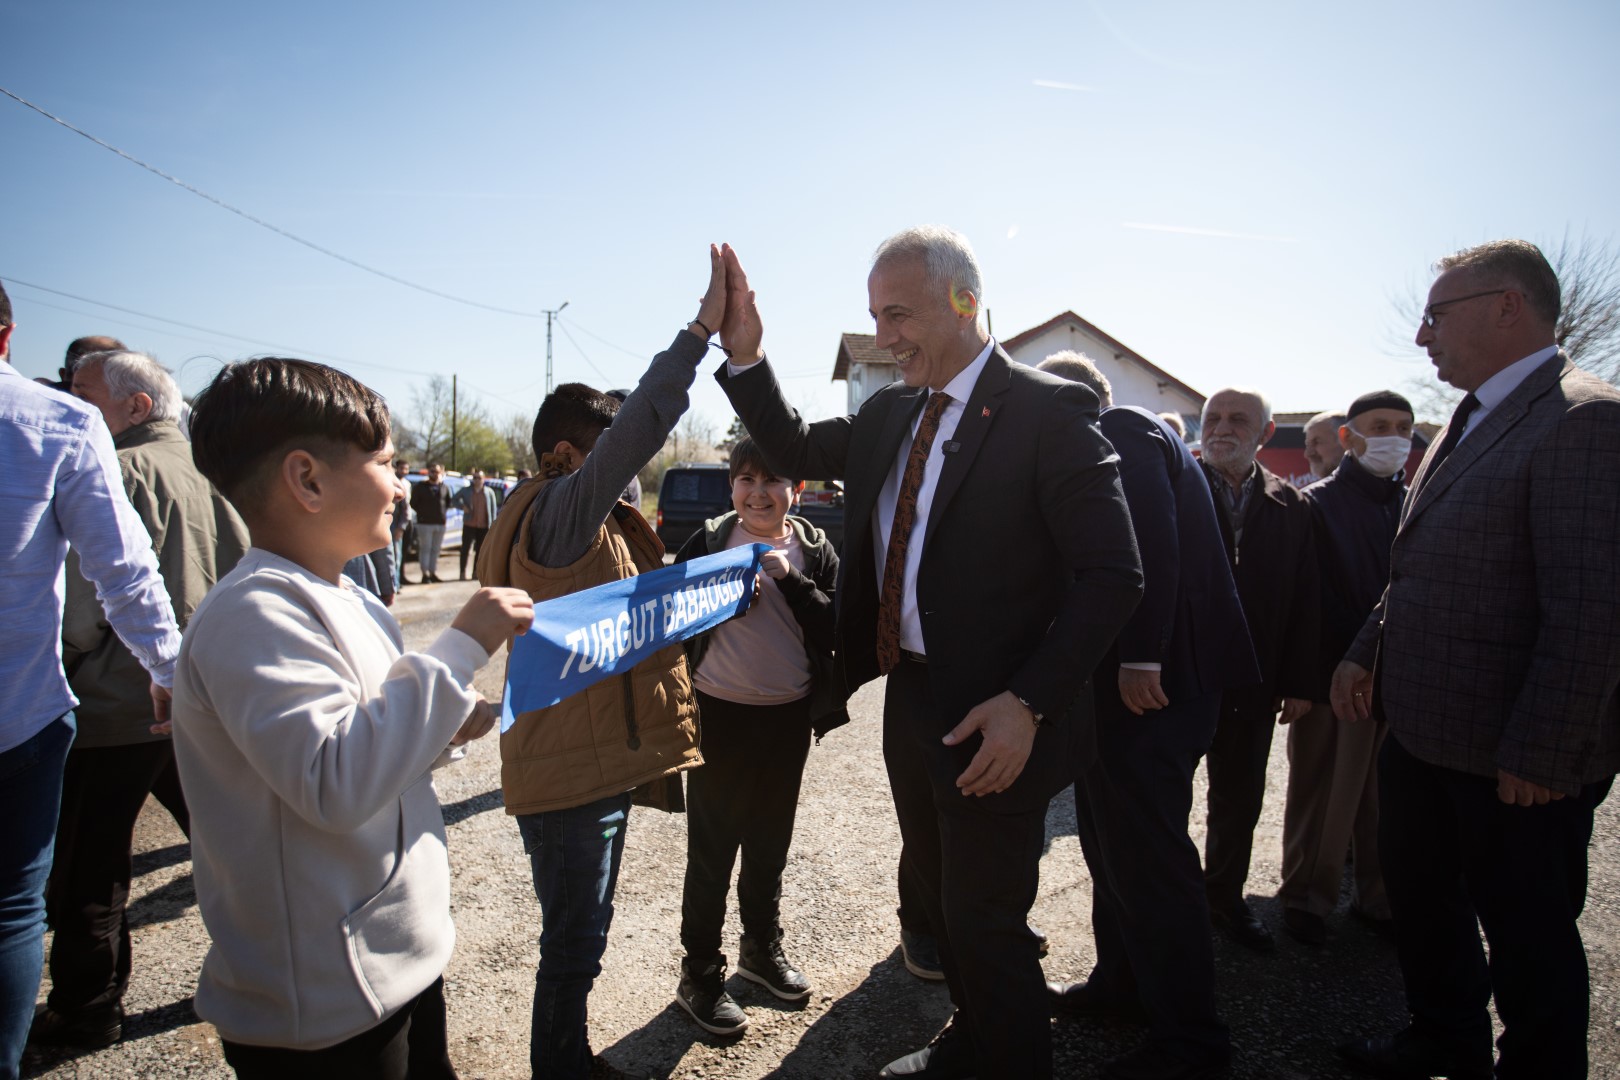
pixel 1385 455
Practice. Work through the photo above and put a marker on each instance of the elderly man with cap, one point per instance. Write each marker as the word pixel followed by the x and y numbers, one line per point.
pixel 1333 773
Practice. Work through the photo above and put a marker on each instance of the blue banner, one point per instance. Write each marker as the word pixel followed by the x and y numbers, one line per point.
pixel 585 637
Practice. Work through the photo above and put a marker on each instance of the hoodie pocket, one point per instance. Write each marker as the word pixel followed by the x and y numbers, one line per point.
pixel 400 940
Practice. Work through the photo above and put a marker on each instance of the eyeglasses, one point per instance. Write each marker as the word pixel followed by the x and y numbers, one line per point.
pixel 1428 312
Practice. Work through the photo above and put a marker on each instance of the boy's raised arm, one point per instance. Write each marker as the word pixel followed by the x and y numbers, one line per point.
pixel 571 509
pixel 296 713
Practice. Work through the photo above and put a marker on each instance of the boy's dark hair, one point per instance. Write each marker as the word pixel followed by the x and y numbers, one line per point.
pixel 256 411
pixel 5 308
pixel 747 455
pixel 573 412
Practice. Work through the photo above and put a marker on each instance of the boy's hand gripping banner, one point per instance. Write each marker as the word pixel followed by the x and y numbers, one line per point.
pixel 585 637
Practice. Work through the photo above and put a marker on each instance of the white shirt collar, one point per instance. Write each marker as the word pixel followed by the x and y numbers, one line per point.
pixel 961 387
pixel 1494 390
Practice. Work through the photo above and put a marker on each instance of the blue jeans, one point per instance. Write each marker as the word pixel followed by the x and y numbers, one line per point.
pixel 575 856
pixel 30 800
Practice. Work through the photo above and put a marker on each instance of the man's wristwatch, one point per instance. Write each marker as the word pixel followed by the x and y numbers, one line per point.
pixel 1033 711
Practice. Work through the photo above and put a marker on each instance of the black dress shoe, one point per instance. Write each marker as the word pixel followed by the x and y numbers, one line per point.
pixel 1087 999
pixel 1305 927
pixel 1240 924
pixel 1152 1062
pixel 92 1029
pixel 1408 1056
pixel 948 1057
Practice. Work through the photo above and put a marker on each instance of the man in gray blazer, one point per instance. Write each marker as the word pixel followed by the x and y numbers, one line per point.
pixel 1495 657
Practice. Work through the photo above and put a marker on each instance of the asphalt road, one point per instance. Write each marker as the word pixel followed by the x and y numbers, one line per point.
pixel 1286 1010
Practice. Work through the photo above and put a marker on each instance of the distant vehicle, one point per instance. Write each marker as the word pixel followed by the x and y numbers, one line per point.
pixel 693 492
pixel 452 518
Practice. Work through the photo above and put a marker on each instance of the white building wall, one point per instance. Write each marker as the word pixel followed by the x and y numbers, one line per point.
pixel 1132 383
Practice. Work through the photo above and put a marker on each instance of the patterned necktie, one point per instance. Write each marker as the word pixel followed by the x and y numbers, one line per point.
pixel 1454 432
pixel 905 516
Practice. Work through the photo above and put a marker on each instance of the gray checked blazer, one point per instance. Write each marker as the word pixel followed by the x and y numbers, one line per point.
pixel 1497 642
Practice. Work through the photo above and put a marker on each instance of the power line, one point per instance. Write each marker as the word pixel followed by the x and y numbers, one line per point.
pixel 222 204
pixel 582 355
pixel 604 341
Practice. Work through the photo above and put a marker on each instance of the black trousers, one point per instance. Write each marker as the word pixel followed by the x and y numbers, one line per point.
pixel 411 1044
pixel 472 539
pixel 978 872
pixel 1237 791
pixel 1148 910
pixel 103 790
pixel 1456 859
pixel 913 918
pixel 743 798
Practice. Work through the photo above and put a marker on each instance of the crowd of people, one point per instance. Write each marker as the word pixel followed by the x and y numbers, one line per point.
pixel 203 599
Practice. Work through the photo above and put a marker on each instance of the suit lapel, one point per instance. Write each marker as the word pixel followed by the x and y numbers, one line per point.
pixel 1430 484
pixel 902 411
pixel 980 412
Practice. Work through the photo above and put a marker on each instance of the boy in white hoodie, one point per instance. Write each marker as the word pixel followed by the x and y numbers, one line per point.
pixel 306 737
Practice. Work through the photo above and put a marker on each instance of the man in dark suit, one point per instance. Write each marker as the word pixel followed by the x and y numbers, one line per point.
pixel 1266 527
pixel 1494 657
pixel 988 564
pixel 1158 697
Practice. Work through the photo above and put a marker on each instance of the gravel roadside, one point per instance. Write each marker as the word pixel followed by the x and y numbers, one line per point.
pixel 1286 1010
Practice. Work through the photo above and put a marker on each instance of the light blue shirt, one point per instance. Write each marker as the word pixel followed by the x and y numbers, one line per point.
pixel 60 483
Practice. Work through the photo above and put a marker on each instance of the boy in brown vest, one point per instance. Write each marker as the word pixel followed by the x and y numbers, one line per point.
pixel 567 771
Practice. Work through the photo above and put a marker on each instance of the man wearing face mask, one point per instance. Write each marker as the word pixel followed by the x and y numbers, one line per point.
pixel 1332 770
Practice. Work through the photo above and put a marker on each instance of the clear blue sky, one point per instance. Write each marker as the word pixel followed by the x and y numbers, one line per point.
pixel 1298 164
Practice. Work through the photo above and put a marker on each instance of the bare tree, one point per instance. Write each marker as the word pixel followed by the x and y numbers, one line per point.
pixel 1588 326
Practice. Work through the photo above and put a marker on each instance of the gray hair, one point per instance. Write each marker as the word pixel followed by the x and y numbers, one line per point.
pixel 1517 264
pixel 1246 391
pixel 1337 419
pixel 130 373
pixel 946 254
pixel 1080 368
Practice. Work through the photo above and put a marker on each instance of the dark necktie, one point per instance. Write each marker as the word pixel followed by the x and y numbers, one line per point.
pixel 1454 432
pixel 905 516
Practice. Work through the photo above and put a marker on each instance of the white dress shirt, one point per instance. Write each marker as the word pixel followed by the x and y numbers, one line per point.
pixel 959 389
pixel 1494 390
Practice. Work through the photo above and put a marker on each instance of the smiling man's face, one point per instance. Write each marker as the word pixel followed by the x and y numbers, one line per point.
pixel 930 338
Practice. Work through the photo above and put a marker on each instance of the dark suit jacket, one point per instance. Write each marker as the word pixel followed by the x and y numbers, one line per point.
pixel 1190 620
pixel 1500 628
pixel 1028 567
pixel 1276 579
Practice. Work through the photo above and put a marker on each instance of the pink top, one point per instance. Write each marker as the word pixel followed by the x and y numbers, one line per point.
pixel 759 659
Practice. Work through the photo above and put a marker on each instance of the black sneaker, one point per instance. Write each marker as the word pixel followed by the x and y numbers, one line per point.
pixel 762 962
pixel 92 1029
pixel 921 956
pixel 703 995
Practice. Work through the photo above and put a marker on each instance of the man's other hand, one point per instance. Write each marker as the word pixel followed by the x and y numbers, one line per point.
pixel 1009 734
pixel 1351 694
pixel 160 710
pixel 1292 708
pixel 741 331
pixel 1516 792
pixel 1140 690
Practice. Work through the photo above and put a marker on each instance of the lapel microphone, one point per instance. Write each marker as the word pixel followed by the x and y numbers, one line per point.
pixel 951 447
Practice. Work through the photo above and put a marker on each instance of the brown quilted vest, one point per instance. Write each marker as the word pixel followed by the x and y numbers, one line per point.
pixel 634 730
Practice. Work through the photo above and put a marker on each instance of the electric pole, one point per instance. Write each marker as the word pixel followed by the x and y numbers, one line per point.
pixel 550 314
pixel 453 419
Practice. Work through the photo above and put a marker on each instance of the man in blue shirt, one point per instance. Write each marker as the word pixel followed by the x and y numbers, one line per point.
pixel 62 485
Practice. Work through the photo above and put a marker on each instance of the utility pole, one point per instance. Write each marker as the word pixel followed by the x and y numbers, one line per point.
pixel 550 314
pixel 452 422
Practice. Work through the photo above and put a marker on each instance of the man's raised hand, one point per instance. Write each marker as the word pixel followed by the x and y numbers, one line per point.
pixel 492 616
pixel 741 331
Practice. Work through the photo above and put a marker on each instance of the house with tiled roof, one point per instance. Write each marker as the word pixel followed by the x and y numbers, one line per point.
pixel 1136 380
